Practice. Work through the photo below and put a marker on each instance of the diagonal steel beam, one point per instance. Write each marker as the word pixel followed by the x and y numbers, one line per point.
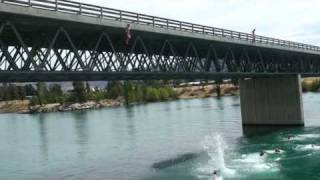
pixel 9 58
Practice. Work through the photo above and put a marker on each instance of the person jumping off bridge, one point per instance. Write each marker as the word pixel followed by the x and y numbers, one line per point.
pixel 128 33
pixel 253 35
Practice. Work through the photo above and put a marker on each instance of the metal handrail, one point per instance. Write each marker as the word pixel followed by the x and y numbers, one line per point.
pixel 72 7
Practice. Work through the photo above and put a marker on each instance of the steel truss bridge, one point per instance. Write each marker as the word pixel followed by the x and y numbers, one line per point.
pixel 60 40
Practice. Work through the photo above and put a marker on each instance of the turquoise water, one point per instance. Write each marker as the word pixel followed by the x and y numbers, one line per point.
pixel 189 139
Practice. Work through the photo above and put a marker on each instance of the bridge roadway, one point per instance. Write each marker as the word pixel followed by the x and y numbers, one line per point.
pixel 61 40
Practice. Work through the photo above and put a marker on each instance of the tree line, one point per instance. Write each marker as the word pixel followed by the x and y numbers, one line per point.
pixel 10 92
pixel 129 91
pixel 141 91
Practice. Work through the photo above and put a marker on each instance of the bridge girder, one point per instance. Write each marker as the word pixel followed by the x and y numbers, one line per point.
pixel 58 52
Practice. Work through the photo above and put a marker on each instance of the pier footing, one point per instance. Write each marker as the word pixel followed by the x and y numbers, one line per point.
pixel 272 101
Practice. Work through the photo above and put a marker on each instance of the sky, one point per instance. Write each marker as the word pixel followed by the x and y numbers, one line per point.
pixel 296 20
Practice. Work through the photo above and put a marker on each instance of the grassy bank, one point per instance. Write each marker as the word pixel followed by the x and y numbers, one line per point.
pixel 206 91
pixel 311 85
pixel 131 92
pixel 48 98
pixel 136 92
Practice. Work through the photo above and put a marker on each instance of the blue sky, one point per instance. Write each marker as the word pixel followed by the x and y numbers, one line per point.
pixel 296 20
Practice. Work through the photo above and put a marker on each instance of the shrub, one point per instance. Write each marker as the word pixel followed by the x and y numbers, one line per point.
pixel 163 94
pixel 34 101
pixel 151 95
pixel 313 86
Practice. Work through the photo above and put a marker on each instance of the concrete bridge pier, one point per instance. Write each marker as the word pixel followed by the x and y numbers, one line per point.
pixel 274 101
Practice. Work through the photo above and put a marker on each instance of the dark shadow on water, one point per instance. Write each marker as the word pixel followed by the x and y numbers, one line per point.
pixel 220 103
pixel 129 111
pixel 175 168
pixel 253 131
pixel 81 130
pixel 131 124
pixel 43 134
pixel 174 161
pixel 236 105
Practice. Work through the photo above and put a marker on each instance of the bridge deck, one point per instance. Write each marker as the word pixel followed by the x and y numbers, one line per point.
pixel 101 17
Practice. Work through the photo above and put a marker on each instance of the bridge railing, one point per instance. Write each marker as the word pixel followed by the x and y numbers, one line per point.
pixel 72 7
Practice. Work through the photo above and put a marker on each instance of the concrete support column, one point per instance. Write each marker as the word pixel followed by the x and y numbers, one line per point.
pixel 272 101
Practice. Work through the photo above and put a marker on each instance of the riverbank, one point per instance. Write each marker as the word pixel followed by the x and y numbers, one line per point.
pixel 207 91
pixel 53 99
pixel 311 85
pixel 189 92
pixel 16 106
pixel 25 107
pixel 75 106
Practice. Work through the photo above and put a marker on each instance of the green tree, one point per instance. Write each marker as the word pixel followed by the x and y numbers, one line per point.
pixel 56 89
pixel 42 92
pixel 30 90
pixel 79 91
pixel 88 87
pixel 163 94
pixel 13 91
pixel 55 94
pixel 2 92
pixel 114 89
pixel 128 92
pixel 6 93
pixel 151 95
pixel 138 91
pixel 21 92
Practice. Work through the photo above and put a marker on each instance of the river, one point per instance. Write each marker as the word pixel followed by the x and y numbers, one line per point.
pixel 177 140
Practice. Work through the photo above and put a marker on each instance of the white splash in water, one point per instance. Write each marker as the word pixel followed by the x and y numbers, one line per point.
pixel 255 163
pixel 308 147
pixel 272 151
pixel 306 136
pixel 215 147
pixel 234 165
pixel 302 137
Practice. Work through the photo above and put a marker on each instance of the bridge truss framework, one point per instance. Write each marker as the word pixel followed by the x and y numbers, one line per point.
pixel 45 58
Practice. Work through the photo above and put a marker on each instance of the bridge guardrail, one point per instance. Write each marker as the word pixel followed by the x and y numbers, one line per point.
pixel 72 7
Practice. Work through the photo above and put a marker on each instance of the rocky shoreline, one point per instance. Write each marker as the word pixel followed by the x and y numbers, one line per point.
pixel 74 106
pixel 191 92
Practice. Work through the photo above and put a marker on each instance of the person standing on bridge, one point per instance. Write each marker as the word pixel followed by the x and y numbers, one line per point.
pixel 253 35
pixel 128 33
